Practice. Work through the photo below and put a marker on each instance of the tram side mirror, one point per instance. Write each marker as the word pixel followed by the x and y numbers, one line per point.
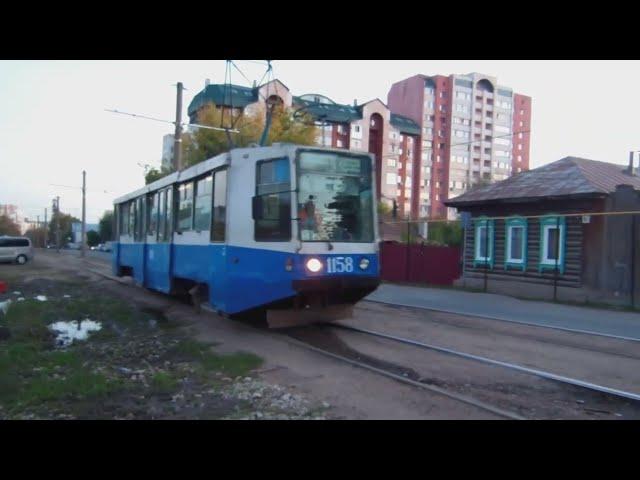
pixel 256 207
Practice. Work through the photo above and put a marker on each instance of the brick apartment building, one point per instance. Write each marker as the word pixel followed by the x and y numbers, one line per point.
pixel 367 127
pixel 434 138
pixel 472 129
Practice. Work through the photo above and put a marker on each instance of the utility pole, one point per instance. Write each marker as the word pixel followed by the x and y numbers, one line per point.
pixel 57 211
pixel 84 226
pixel 177 143
pixel 46 228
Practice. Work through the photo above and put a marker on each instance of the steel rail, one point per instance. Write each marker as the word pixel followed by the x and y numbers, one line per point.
pixel 502 319
pixel 512 366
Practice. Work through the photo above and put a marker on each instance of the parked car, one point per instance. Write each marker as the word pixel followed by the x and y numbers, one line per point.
pixel 98 247
pixel 108 247
pixel 15 249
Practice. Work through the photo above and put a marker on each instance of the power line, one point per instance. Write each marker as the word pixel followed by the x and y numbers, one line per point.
pixel 195 125
pixel 481 140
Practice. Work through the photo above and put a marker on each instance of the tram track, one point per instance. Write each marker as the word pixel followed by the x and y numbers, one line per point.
pixel 497 331
pixel 408 376
pixel 506 320
pixel 489 361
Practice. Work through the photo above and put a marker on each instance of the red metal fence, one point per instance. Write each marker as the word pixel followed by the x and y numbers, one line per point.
pixel 420 264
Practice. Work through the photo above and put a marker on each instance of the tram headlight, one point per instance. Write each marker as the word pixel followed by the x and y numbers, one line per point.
pixel 314 265
pixel 364 263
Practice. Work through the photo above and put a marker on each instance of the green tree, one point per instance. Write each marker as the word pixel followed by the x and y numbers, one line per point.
pixel 65 227
pixel 105 226
pixel 481 182
pixel 93 238
pixel 8 226
pixel 154 174
pixel 37 236
pixel 445 233
pixel 204 143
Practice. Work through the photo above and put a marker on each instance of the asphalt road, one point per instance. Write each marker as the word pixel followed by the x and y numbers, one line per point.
pixel 104 256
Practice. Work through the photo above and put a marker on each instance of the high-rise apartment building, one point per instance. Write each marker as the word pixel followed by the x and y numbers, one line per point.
pixel 168 142
pixel 472 130
pixel 367 127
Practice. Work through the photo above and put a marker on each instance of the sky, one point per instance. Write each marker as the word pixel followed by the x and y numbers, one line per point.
pixel 53 123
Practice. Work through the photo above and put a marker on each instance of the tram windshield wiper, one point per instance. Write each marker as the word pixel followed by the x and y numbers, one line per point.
pixel 330 245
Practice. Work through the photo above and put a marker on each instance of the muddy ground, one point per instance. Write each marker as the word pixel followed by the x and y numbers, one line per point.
pixel 143 363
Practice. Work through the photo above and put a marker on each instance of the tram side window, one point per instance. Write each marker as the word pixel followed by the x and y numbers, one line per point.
pixel 139 231
pixel 169 214
pixel 124 219
pixel 132 218
pixel 185 207
pixel 162 219
pixel 273 186
pixel 218 226
pixel 152 212
pixel 202 204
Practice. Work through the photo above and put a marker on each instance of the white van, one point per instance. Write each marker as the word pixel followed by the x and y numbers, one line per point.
pixel 15 249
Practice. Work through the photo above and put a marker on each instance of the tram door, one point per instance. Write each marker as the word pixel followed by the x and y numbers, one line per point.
pixel 159 240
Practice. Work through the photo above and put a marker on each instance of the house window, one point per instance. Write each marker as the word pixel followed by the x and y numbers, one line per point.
pixel 483 242
pixel 552 234
pixel 516 243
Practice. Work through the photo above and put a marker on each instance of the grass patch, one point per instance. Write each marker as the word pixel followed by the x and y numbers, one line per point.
pixel 232 364
pixel 33 373
pixel 163 382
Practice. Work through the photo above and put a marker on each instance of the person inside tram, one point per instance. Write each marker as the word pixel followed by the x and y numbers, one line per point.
pixel 308 214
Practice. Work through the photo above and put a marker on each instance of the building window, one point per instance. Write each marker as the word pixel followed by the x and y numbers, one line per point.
pixel 483 246
pixel 552 233
pixel 391 179
pixel 391 162
pixel 516 243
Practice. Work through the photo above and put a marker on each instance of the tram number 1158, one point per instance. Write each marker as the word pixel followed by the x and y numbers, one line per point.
pixel 339 264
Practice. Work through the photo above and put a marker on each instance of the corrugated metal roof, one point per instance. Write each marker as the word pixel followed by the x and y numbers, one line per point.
pixel 405 124
pixel 226 95
pixel 565 177
pixel 331 112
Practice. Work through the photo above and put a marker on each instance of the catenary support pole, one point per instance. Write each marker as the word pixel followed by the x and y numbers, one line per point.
pixel 83 239
pixel 177 141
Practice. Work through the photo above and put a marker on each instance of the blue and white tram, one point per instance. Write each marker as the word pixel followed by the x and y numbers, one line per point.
pixel 285 229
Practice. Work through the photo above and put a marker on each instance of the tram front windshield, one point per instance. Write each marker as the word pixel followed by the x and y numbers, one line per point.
pixel 335 199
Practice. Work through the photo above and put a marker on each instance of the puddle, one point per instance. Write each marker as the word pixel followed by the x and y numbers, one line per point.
pixel 4 306
pixel 68 332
